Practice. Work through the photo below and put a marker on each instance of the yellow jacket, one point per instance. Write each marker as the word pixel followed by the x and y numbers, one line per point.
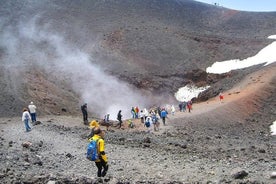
pixel 100 147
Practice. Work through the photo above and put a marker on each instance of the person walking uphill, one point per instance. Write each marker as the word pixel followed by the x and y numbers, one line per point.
pixel 25 118
pixel 84 113
pixel 32 109
pixel 101 163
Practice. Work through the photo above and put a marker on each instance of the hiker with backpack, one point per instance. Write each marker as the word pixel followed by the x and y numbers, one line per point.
pixel 155 122
pixel 96 152
pixel 164 114
pixel 148 123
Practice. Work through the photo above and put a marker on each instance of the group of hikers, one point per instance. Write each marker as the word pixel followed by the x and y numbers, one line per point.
pixel 96 136
pixel 29 114
pixel 148 118
pixel 185 106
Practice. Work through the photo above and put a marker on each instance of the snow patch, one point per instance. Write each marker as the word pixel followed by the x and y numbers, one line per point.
pixel 273 128
pixel 266 56
pixel 188 92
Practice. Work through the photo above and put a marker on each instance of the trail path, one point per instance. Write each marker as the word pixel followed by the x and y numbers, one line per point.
pixel 238 100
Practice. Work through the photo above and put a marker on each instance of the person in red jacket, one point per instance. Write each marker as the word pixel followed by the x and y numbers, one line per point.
pixel 221 97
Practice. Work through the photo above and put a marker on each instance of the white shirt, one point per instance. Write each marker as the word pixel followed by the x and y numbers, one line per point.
pixel 26 115
pixel 32 108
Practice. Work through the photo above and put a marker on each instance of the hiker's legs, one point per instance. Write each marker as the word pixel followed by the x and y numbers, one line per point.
pixel 85 116
pixel 105 168
pixel 33 117
pixel 163 119
pixel 26 122
pixel 99 166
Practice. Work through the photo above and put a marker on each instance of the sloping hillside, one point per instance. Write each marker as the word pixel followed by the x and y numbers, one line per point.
pixel 217 142
pixel 154 47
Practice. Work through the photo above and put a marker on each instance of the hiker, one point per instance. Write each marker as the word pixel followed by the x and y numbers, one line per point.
pixel 101 163
pixel 155 122
pixel 93 124
pixel 189 105
pixel 106 122
pixel 146 113
pixel 84 113
pixel 136 112
pixel 130 124
pixel 164 116
pixel 221 97
pixel 180 107
pixel 172 110
pixel 119 118
pixel 148 123
pixel 25 118
pixel 142 116
pixel 106 118
pixel 32 109
pixel 184 106
pixel 133 112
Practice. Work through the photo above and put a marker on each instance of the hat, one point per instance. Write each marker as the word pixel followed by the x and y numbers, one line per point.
pixel 32 103
pixel 93 124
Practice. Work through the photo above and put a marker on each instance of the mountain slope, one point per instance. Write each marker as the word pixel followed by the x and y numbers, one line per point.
pixel 156 46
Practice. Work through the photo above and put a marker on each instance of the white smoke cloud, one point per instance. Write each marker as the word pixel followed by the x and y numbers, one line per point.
pixel 28 44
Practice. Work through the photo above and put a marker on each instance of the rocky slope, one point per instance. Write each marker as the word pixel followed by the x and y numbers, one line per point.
pixel 227 142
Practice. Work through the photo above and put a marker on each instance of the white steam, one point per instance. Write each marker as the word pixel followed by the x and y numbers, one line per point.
pixel 28 44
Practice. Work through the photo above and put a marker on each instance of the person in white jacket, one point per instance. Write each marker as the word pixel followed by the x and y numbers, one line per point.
pixel 25 118
pixel 173 110
pixel 32 109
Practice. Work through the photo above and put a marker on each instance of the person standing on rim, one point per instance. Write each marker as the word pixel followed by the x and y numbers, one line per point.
pixel 84 113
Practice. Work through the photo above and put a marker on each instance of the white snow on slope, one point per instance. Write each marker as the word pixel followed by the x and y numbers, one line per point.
pixel 188 92
pixel 266 56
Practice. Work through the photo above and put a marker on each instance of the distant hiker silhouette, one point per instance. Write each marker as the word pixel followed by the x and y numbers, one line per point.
pixel 84 113
pixel 119 118
pixel 189 105
pixel 221 97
